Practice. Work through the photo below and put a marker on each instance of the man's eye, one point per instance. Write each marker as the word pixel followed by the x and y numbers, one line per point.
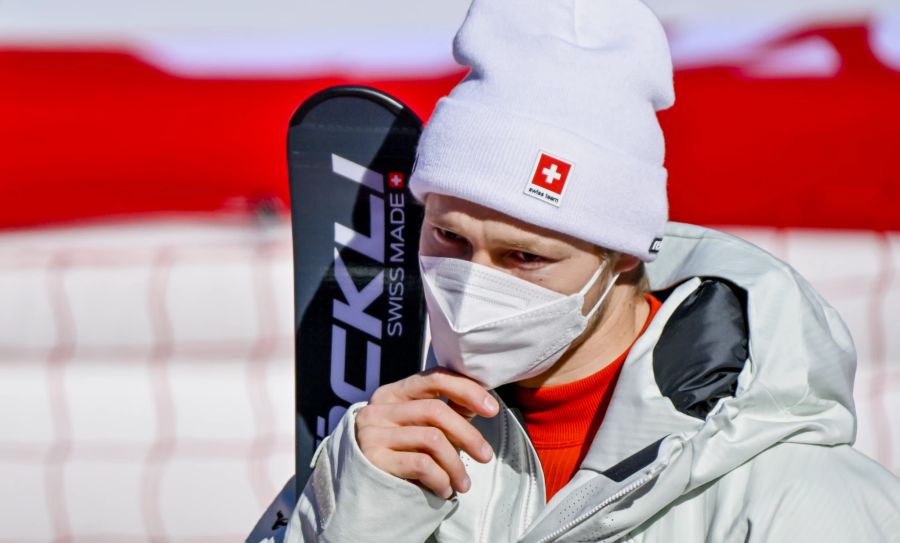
pixel 529 258
pixel 449 236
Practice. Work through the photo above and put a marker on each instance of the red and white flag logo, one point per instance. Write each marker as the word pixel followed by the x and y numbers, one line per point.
pixel 395 180
pixel 548 180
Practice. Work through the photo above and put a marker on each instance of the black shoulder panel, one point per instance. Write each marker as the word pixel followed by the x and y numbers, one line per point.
pixel 703 347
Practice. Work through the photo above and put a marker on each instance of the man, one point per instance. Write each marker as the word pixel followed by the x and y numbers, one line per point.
pixel 603 375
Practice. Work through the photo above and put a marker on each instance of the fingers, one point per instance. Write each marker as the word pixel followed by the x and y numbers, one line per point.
pixel 438 382
pixel 434 413
pixel 417 467
pixel 417 439
pixel 465 413
pixel 406 430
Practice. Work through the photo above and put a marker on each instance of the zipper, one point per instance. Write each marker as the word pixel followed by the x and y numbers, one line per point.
pixel 648 476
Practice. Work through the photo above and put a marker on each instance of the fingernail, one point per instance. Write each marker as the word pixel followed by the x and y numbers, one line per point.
pixel 491 404
pixel 466 484
pixel 447 493
pixel 486 451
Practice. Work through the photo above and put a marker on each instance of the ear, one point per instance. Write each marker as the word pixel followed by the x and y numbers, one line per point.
pixel 625 263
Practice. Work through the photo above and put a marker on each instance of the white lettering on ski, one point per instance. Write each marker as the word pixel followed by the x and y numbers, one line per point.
pixel 353 311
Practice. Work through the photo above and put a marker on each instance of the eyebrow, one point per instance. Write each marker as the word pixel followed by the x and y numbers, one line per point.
pixel 527 242
pixel 528 245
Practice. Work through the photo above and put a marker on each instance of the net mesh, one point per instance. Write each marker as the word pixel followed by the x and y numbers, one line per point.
pixel 146 371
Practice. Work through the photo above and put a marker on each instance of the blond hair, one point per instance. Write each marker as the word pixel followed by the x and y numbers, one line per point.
pixel 636 276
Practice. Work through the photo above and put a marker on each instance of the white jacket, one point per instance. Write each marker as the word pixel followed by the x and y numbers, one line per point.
pixel 767 461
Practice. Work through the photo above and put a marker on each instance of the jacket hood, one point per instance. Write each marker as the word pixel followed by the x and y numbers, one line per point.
pixel 795 384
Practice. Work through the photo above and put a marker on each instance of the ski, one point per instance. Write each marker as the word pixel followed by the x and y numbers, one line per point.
pixel 359 313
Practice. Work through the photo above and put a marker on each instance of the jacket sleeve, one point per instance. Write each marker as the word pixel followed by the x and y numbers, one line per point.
pixel 347 498
pixel 826 495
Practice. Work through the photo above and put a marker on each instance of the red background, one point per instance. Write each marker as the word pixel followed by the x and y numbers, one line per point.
pixel 94 133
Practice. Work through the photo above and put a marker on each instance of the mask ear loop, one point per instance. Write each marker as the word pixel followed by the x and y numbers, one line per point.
pixel 590 282
pixel 593 310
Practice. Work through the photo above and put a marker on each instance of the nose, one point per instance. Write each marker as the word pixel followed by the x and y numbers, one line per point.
pixel 481 256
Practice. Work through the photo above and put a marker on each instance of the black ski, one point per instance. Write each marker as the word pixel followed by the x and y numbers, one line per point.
pixel 359 310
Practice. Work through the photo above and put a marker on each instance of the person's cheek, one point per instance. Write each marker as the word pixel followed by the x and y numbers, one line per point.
pixel 554 276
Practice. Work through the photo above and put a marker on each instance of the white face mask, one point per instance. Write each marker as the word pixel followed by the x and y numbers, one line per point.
pixel 495 327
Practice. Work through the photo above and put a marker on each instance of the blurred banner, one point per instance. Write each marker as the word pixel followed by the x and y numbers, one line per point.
pixel 146 388
pixel 782 117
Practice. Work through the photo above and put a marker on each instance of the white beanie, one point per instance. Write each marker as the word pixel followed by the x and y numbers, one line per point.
pixel 555 124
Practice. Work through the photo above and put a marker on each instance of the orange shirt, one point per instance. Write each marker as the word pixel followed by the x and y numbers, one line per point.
pixel 562 420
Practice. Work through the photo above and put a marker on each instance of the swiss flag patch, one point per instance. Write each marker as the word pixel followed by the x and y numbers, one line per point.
pixel 395 180
pixel 548 180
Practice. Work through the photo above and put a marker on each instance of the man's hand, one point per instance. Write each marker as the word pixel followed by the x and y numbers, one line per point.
pixel 407 431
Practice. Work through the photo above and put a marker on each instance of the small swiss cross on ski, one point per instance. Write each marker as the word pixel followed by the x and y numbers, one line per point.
pixel 395 180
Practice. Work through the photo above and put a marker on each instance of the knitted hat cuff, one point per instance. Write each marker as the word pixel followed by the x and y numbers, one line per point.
pixel 609 199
